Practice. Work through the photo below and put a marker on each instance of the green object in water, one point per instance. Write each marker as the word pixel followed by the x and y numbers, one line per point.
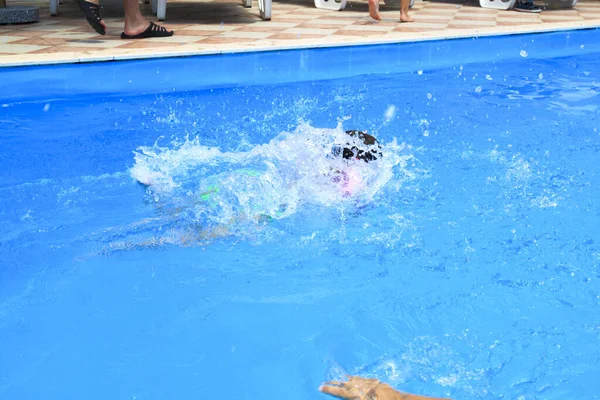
pixel 250 172
pixel 210 191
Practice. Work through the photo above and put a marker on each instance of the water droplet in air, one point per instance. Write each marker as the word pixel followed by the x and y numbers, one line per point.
pixel 582 46
pixel 478 89
pixel 541 76
pixel 390 112
pixel 523 53
pixel 46 107
pixel 488 77
pixel 429 95
pixel 420 72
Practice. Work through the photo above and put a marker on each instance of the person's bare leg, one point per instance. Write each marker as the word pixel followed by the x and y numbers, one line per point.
pixel 135 23
pixel 374 9
pixel 404 17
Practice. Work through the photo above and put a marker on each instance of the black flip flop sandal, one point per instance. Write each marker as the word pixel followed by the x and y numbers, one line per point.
pixel 92 15
pixel 153 30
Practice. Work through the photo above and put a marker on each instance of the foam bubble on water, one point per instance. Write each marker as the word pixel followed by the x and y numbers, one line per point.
pixel 390 371
pixel 199 184
pixel 524 178
pixel 478 89
pixel 27 215
pixel 429 96
pixel 488 77
pixel 47 107
pixel 420 72
pixel 523 53
pixel 518 170
pixel 545 201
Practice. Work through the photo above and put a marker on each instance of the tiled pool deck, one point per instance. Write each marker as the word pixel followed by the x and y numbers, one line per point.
pixel 217 26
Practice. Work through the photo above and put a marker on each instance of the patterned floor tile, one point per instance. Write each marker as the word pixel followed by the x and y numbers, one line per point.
pixel 310 31
pixel 11 39
pixel 245 34
pixel 9 48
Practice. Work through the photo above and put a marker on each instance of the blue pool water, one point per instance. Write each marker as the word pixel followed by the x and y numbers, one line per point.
pixel 468 267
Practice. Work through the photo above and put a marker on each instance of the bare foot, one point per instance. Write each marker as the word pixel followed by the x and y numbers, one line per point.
pixel 404 17
pixel 374 9
pixel 135 26
pixel 97 2
pixel 91 9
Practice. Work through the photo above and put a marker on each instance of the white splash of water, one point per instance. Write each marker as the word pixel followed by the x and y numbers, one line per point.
pixel 204 185
pixel 390 113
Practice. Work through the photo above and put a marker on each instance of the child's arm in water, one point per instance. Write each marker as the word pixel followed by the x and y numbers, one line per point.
pixel 357 388
pixel 192 235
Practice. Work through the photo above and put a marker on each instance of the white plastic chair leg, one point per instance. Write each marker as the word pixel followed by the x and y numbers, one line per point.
pixel 331 4
pixel 497 4
pixel 53 7
pixel 154 6
pixel 247 3
pixel 161 10
pixel 264 6
pixel 556 4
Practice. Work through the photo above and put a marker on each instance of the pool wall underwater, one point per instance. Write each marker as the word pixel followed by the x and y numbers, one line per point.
pixel 170 75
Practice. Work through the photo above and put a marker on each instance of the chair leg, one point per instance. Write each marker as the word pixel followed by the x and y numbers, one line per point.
pixel 264 6
pixel 53 7
pixel 497 4
pixel 154 6
pixel 161 10
pixel 330 4
pixel 247 3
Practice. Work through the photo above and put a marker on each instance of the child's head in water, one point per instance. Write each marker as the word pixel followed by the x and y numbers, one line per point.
pixel 351 178
pixel 354 152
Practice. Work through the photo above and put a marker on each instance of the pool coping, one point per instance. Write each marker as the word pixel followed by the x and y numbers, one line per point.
pixel 408 37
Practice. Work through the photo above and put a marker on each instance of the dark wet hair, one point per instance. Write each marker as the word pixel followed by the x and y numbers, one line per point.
pixel 354 152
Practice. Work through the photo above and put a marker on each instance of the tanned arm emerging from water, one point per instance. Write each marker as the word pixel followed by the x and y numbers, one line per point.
pixel 357 388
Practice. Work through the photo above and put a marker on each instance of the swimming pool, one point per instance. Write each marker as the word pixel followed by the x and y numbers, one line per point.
pixel 471 271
